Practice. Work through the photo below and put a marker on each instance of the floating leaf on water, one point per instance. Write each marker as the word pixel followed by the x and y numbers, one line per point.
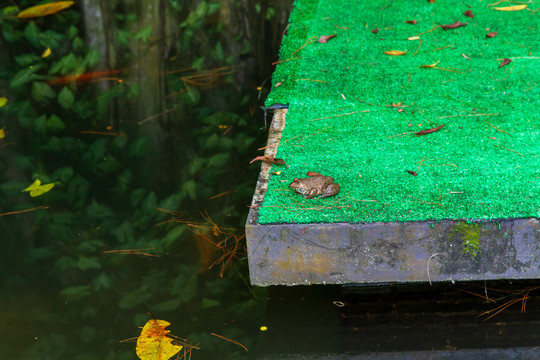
pixel 429 131
pixel 491 34
pixel 468 13
pixel 395 52
pixel 36 189
pixel 511 8
pixel 46 53
pixel 45 9
pixel 153 343
pixel 269 160
pixel 455 25
pixel 431 65
pixel 505 62
pixel 324 38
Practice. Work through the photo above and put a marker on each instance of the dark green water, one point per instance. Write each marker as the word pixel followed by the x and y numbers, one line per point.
pixel 144 116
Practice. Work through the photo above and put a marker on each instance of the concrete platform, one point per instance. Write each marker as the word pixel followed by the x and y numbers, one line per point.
pixel 425 251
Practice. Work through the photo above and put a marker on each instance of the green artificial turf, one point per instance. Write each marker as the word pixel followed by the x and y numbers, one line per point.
pixel 483 164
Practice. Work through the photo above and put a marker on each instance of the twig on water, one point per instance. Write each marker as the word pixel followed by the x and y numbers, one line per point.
pixel 24 211
pixel 229 340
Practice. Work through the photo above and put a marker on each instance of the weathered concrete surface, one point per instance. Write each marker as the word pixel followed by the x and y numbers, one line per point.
pixel 294 254
pixel 341 253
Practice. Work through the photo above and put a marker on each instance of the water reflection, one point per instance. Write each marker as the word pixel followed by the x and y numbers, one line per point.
pixel 144 117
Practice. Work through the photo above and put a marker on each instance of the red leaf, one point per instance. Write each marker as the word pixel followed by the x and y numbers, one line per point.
pixel 505 62
pixel 376 30
pixel 269 160
pixel 311 173
pixel 413 173
pixel 324 38
pixel 412 22
pixel 491 34
pixel 429 131
pixel 455 25
pixel 468 13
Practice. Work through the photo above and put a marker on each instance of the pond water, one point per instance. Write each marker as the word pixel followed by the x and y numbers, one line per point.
pixel 139 120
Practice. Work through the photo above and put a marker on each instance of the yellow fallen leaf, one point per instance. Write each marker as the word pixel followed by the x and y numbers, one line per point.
pixel 2 133
pixel 3 101
pixel 36 189
pixel 511 8
pixel 153 343
pixel 45 9
pixel 395 52
pixel 46 53
pixel 430 66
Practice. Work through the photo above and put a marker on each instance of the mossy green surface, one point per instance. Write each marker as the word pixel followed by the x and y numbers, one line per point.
pixel 483 164
pixel 470 236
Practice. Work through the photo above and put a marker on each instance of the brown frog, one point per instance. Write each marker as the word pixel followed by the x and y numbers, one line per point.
pixel 315 185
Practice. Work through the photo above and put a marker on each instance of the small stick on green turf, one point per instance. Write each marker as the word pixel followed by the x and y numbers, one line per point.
pixel 449 116
pixel 425 32
pixel 315 133
pixel 495 127
pixel 419 45
pixel 451 192
pixel 505 148
pixel 520 57
pixel 421 163
pixel 426 202
pixel 333 116
pixel 311 39
pixel 339 27
pixel 444 47
pixel 281 61
pixel 311 80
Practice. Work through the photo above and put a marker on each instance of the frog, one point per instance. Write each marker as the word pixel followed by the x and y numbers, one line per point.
pixel 315 185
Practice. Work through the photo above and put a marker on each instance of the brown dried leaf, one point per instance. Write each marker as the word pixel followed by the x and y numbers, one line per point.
pixel 505 62
pixel 429 131
pixel 455 25
pixel 311 173
pixel 376 30
pixel 491 34
pixel 431 1
pixel 395 52
pixel 324 38
pixel 511 8
pixel 269 160
pixel 468 13
pixel 412 22
pixel 430 66
pixel 413 173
